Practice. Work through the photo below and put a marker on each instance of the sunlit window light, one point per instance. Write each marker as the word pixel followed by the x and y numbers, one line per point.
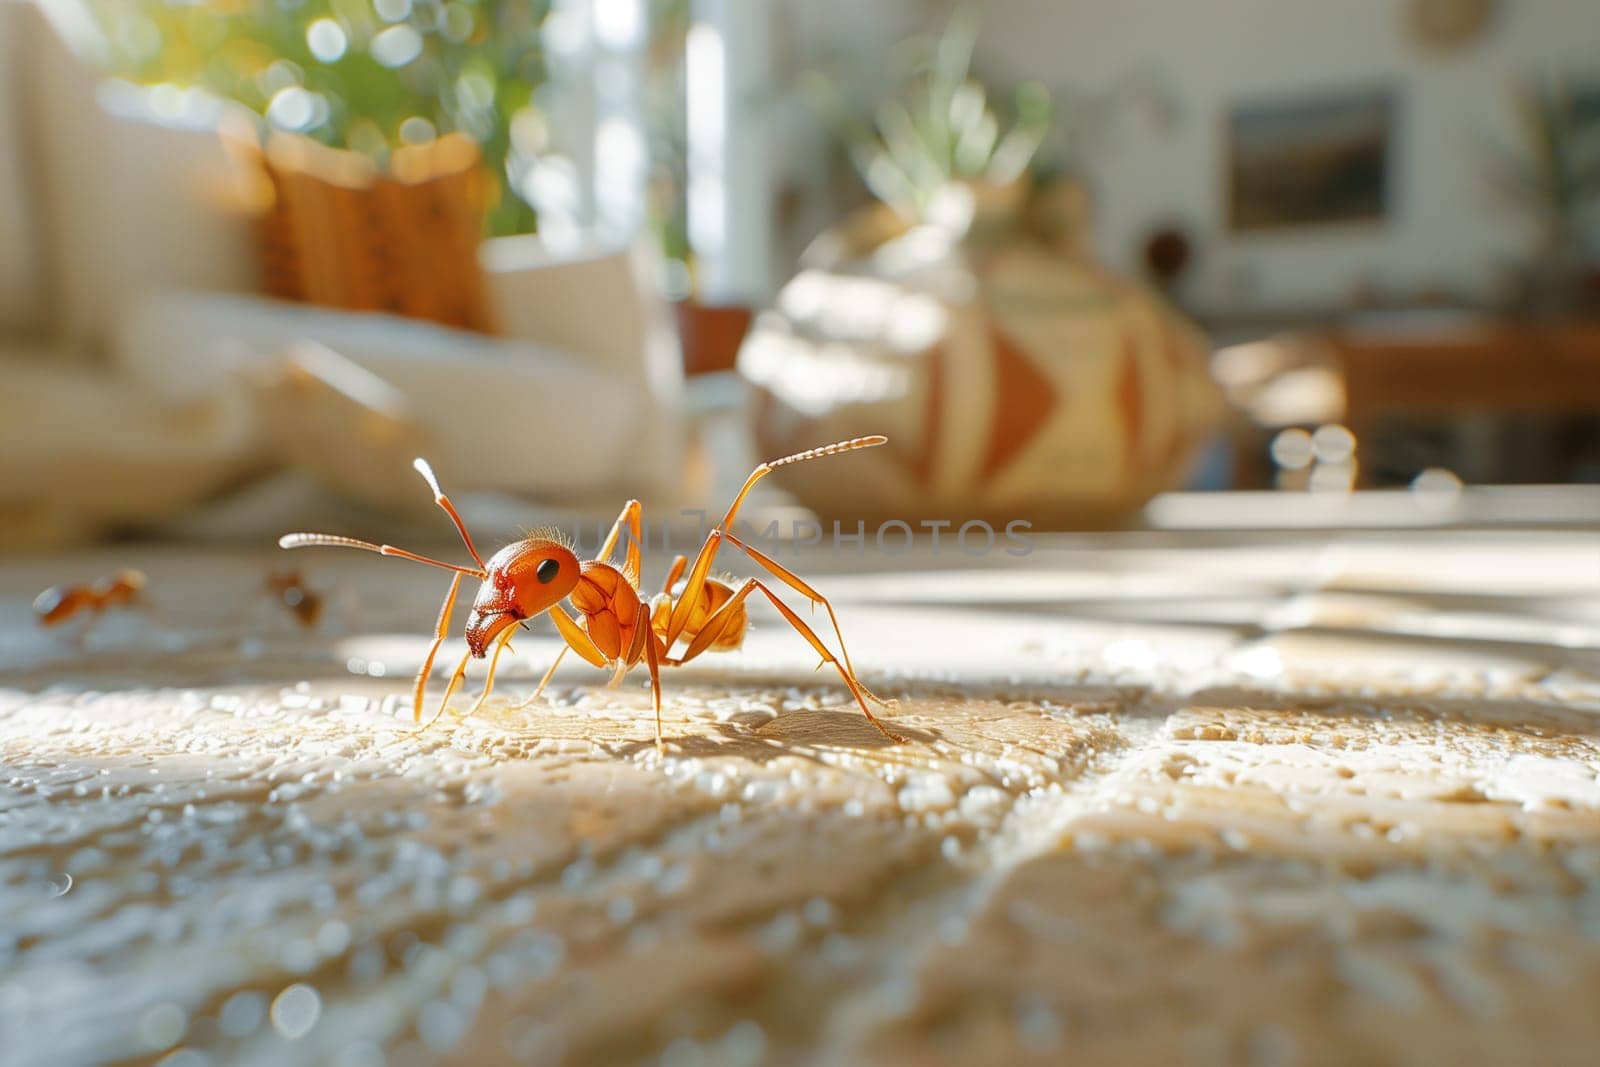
pixel 293 109
pixel 619 154
pixel 619 24
pixel 326 39
pixel 705 67
pixel 397 46
pixel 392 10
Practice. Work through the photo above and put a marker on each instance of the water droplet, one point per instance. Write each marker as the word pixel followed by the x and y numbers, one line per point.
pixel 441 1024
pixel 333 938
pixel 577 874
pixel 519 909
pixel 744 1043
pixel 684 1052
pixel 295 1011
pixel 468 987
pixel 1039 1024
pixel 185 1057
pixel 819 912
pixel 242 1014
pixel 162 1026
pixel 299 956
pixel 360 1054
pixel 463 892
pixel 780 935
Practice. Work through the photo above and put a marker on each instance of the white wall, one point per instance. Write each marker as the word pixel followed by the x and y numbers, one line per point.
pixel 1448 228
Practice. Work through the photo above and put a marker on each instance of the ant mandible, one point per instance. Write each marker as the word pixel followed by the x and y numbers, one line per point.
pixel 533 576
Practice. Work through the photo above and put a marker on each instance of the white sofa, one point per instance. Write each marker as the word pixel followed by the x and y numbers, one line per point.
pixel 139 373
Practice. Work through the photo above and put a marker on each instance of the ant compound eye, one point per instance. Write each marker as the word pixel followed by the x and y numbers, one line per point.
pixel 547 571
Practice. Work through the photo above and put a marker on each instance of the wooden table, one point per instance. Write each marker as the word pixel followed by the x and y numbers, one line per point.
pixel 1432 364
pixel 1307 798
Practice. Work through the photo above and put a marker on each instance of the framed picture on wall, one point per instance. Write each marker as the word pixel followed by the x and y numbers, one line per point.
pixel 1311 160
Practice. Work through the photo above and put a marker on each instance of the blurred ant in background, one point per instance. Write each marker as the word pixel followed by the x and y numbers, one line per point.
pixel 60 603
pixel 289 589
pixel 126 589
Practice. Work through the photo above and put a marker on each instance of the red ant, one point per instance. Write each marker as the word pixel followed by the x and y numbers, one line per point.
pixel 62 602
pixel 533 576
pixel 289 588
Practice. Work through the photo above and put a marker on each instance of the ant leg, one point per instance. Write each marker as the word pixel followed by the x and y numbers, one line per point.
pixel 708 551
pixel 545 681
pixel 443 501
pixel 632 518
pixel 449 690
pixel 150 610
pixel 80 637
pixel 440 629
pixel 494 664
pixel 692 587
pixel 799 585
pixel 549 674
pixel 577 638
pixel 652 659
pixel 674 572
pixel 723 616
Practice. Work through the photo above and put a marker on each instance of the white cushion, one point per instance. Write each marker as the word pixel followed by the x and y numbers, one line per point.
pixel 130 198
pixel 602 305
pixel 498 415
pixel 594 303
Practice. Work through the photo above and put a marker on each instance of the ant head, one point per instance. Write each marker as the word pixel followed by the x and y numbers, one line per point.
pixel 525 579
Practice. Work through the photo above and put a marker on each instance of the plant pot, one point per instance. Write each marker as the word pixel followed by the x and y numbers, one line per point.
pixel 710 335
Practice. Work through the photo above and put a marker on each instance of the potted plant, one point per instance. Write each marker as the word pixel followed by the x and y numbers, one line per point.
pixel 963 315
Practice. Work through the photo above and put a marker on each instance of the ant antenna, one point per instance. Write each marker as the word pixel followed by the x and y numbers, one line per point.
pixel 871 441
pixel 443 501
pixel 308 540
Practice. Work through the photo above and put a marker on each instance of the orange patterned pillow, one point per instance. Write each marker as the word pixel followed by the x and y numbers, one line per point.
pixel 338 231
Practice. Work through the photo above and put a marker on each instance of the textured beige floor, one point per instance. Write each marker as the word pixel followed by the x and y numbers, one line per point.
pixel 1292 801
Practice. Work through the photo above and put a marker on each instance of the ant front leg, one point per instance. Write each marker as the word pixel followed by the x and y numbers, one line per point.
pixel 440 629
pixel 494 664
pixel 548 674
pixel 455 679
pixel 577 640
pixel 653 654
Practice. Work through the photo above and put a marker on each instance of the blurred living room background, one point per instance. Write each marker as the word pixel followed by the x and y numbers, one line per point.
pixel 1086 263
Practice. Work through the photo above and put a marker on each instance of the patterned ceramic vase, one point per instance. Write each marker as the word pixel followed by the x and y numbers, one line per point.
pixel 1015 377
